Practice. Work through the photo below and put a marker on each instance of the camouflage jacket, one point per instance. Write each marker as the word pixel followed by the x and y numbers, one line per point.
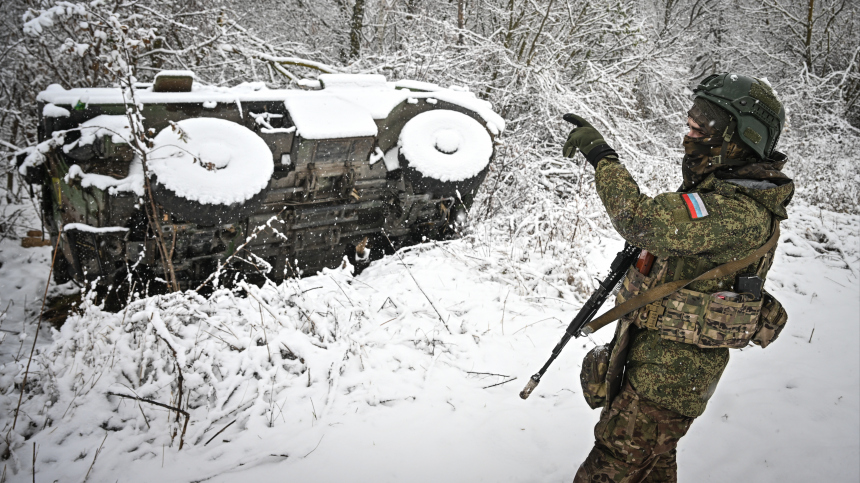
pixel 689 233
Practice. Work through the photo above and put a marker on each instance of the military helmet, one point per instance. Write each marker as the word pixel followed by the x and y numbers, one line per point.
pixel 752 102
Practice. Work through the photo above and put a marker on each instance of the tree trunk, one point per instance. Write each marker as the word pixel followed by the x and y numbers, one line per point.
pixel 355 30
pixel 461 21
pixel 155 225
pixel 411 8
pixel 808 42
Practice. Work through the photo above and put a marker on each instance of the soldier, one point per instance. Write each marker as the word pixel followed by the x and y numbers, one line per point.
pixel 672 352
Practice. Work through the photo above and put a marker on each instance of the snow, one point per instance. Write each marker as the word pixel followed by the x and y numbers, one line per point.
pixel 81 49
pixel 375 388
pixel 352 81
pixel 417 85
pixel 767 83
pixel 263 120
pixel 211 161
pixel 448 140
pixel 175 73
pixel 93 229
pixel 277 130
pixel 35 21
pixel 392 159
pixel 104 125
pixel 368 93
pixel 36 154
pixel 375 156
pixel 446 145
pixel 51 110
pixel 309 83
pixel 322 117
pixel 131 183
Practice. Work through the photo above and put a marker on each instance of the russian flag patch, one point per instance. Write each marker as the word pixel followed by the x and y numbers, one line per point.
pixel 695 205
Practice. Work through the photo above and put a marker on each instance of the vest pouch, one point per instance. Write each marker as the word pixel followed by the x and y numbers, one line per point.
pixel 729 323
pixel 593 375
pixel 632 283
pixel 708 320
pixel 771 322
pixel 681 320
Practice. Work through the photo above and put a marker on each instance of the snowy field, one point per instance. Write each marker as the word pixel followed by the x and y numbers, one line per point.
pixel 386 377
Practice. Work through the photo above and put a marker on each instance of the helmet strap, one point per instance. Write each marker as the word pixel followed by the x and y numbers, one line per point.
pixel 727 138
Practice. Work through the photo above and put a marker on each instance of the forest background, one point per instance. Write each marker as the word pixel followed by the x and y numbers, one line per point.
pixel 627 65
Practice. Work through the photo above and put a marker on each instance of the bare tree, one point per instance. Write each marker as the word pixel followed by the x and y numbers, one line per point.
pixel 355 29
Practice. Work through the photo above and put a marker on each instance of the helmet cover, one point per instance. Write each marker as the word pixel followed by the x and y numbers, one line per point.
pixel 753 103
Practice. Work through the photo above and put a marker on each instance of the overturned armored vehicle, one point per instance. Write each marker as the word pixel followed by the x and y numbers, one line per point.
pixel 253 182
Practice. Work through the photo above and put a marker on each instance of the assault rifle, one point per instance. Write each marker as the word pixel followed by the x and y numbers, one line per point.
pixel 579 327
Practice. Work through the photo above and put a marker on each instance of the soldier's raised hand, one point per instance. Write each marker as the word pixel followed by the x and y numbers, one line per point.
pixel 587 139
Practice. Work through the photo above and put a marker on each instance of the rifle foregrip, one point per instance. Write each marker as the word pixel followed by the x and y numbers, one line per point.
pixel 532 384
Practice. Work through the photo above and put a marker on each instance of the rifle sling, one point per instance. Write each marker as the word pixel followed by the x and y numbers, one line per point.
pixel 663 291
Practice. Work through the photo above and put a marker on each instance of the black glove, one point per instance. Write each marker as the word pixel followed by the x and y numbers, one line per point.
pixel 588 140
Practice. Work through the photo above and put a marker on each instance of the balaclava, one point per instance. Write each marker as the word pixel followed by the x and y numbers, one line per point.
pixel 702 155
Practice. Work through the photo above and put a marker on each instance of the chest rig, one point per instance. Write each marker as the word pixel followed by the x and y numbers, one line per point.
pixel 707 320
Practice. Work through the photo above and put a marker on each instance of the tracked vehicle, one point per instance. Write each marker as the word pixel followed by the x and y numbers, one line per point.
pixel 305 175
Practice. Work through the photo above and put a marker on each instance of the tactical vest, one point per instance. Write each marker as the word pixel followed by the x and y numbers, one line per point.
pixel 706 320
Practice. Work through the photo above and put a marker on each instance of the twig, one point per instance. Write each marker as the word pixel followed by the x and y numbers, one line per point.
pixel 341 289
pixel 260 303
pixel 241 247
pixel 38 326
pixel 442 319
pixel 179 377
pixel 385 302
pixel 810 335
pixel 301 311
pixel 94 458
pixel 315 447
pixel 219 432
pixel 363 283
pixel 263 325
pixel 533 323
pixel 165 406
pixel 499 384
pixel 150 208
pixel 834 281
pixel 150 401
pixel 5 310
pixel 504 306
pixel 34 463
pixel 231 346
pixel 145 419
pixel 487 374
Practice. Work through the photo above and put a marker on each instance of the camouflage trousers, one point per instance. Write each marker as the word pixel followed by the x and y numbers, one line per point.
pixel 635 442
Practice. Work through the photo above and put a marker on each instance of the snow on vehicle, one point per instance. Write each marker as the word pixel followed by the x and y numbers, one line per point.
pixel 321 169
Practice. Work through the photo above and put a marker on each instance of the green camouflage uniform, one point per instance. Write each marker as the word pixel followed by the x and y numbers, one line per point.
pixel 668 383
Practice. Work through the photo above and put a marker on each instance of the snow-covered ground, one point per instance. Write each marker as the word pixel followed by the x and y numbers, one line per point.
pixel 385 377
